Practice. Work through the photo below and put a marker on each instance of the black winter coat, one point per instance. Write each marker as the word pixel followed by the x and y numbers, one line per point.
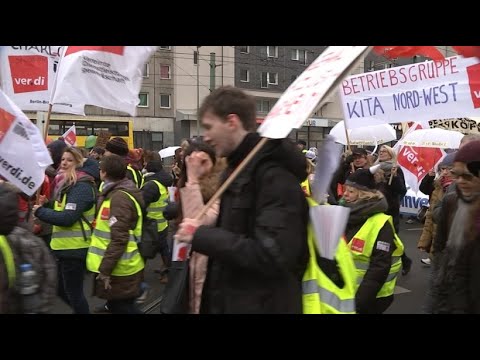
pixel 258 252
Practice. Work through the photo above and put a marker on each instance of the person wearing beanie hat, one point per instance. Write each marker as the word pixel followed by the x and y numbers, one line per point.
pixel 116 146
pixel 372 239
pixel 302 146
pixel 119 146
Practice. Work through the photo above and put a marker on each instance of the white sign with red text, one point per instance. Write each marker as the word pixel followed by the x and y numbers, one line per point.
pixel 308 90
pixel 23 153
pixel 28 74
pixel 419 92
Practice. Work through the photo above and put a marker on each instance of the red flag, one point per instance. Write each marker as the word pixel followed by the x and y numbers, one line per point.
pixel 467 51
pixel 391 52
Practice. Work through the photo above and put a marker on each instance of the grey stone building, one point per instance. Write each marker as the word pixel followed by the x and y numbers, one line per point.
pixel 267 71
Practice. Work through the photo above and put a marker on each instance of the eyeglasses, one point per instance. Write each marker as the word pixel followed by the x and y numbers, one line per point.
pixel 465 176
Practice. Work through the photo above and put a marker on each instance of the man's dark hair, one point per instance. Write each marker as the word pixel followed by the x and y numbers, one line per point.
pixel 114 166
pixel 228 100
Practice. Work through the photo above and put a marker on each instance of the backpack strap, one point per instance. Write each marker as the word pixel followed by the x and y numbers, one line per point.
pixel 84 219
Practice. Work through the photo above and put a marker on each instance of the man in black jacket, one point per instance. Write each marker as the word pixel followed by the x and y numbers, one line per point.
pixel 258 252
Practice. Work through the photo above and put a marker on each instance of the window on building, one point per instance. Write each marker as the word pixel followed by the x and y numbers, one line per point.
pixel 264 80
pixel 266 106
pixel 244 49
pixel 300 55
pixel 165 72
pixel 165 47
pixel 157 140
pixel 263 106
pixel 146 71
pixel 143 100
pixel 372 66
pixel 244 75
pixel 272 51
pixel 165 101
pixel 273 78
pixel 388 65
pixel 304 57
pixel 259 105
pixel 294 54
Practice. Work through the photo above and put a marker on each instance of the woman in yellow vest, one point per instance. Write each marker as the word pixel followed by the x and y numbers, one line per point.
pixel 373 242
pixel 71 212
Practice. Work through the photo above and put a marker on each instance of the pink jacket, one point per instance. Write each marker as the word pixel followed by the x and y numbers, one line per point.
pixel 192 202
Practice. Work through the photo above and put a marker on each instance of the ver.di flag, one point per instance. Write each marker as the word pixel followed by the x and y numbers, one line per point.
pixel 23 153
pixel 416 162
pixel 28 74
pixel 109 77
pixel 70 136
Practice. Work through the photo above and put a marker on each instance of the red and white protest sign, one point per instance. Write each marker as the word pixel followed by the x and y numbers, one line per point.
pixel 70 136
pixel 105 76
pixel 416 162
pixel 306 93
pixel 28 74
pixel 23 153
pixel 449 88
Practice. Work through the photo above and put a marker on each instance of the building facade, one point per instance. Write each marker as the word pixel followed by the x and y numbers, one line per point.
pixel 265 72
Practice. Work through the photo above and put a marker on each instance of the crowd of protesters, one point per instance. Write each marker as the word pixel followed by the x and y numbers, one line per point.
pixel 252 251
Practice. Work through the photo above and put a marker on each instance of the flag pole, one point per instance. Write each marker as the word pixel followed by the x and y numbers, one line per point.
pixel 348 142
pixel 232 177
pixel 404 131
pixel 47 122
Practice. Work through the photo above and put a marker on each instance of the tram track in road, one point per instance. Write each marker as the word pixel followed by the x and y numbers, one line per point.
pixel 152 306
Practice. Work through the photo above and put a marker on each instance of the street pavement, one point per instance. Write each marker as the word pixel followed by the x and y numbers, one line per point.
pixel 409 292
pixel 411 288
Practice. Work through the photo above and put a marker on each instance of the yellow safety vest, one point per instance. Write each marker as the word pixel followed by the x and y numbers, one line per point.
pixel 362 245
pixel 306 187
pixel 320 294
pixel 137 180
pixel 155 210
pixel 69 238
pixel 9 260
pixel 131 261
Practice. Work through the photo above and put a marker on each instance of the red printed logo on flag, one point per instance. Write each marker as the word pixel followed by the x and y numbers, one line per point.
pixel 358 245
pixel 105 215
pixel 474 82
pixel 70 138
pixel 6 120
pixel 29 73
pixel 110 49
pixel 418 160
pixel 182 253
